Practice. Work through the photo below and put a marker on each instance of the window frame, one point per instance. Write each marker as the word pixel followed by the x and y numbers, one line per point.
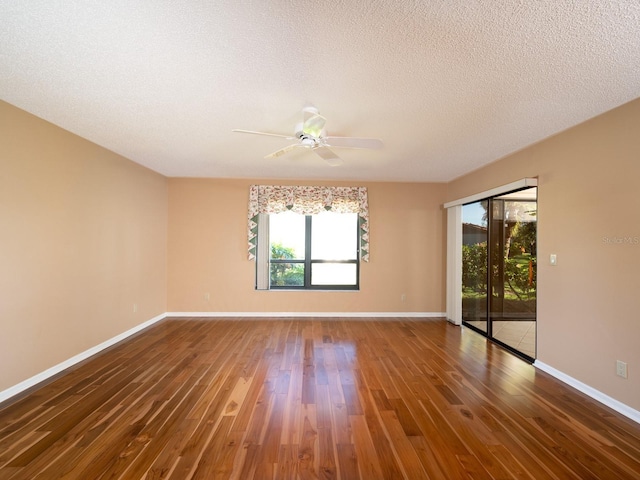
pixel 308 261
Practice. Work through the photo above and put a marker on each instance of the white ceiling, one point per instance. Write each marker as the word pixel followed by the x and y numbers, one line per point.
pixel 448 85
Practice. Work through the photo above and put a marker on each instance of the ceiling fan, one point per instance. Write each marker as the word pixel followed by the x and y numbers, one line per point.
pixel 310 134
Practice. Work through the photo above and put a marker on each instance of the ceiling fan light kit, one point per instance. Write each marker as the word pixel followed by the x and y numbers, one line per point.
pixel 310 134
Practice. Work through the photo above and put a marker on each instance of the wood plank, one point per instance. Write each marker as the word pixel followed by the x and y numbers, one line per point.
pixel 307 450
pixel 407 456
pixel 208 461
pixel 287 463
pixel 348 462
pixel 366 454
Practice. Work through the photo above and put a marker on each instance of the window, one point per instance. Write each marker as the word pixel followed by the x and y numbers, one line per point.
pixel 313 251
pixel 333 223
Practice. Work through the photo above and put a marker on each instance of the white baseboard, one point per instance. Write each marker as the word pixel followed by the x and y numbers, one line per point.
pixel 308 314
pixel 610 402
pixel 50 372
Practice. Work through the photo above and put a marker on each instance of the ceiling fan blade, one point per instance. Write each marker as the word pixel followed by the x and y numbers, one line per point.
pixel 282 151
pixel 309 111
pixel 326 153
pixel 354 142
pixel 264 133
pixel 313 125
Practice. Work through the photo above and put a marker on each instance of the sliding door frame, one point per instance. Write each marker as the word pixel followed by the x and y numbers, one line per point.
pixel 454 243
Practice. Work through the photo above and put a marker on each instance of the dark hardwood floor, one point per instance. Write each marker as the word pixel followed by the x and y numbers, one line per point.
pixel 312 398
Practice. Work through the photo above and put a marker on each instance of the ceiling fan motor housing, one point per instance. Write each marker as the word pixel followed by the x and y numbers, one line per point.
pixel 307 140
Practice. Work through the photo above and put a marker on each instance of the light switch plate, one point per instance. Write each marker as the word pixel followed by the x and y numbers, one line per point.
pixel 621 369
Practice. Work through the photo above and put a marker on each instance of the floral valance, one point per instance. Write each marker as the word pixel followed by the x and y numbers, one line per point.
pixel 308 201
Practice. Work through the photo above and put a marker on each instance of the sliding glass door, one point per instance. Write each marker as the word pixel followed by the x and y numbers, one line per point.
pixel 499 269
pixel 474 265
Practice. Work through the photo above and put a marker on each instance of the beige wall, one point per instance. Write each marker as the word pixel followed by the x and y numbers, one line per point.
pixel 208 252
pixel 588 315
pixel 82 238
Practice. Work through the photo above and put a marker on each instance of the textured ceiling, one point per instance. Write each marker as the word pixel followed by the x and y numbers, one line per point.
pixel 447 85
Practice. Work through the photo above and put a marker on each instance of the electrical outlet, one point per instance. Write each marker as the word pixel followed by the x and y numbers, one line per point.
pixel 403 297
pixel 621 369
pixel 135 307
pixel 207 297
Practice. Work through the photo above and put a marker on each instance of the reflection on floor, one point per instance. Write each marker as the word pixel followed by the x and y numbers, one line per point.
pixel 520 335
